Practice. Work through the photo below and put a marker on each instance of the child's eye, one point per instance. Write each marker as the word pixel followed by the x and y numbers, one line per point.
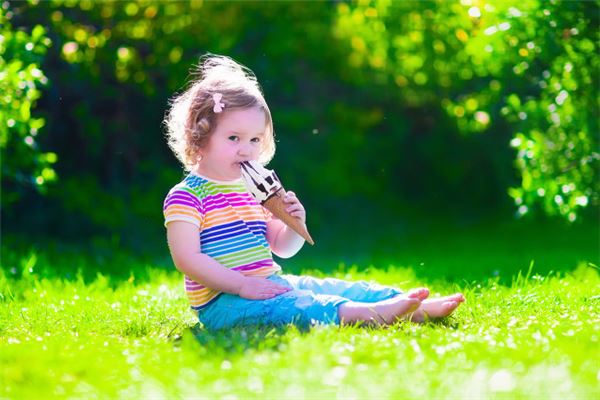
pixel 255 140
pixel 233 138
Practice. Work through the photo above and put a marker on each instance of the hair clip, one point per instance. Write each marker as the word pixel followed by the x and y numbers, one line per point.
pixel 218 105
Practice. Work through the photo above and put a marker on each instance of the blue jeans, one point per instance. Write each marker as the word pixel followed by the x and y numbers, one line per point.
pixel 311 301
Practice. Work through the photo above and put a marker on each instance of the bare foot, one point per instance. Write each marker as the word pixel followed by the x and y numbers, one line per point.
pixel 391 310
pixel 437 308
pixel 384 312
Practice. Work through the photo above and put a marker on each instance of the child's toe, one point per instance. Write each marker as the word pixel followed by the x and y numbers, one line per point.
pixel 420 293
pixel 457 297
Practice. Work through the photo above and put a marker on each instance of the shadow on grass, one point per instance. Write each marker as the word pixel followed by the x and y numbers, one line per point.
pixel 238 340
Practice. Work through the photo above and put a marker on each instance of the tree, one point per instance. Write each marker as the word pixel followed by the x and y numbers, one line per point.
pixel 531 63
pixel 24 164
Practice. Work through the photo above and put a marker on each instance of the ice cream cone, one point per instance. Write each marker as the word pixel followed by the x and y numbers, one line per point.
pixel 266 187
pixel 277 206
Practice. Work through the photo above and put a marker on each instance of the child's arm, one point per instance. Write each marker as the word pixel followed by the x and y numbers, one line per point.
pixel 184 246
pixel 283 240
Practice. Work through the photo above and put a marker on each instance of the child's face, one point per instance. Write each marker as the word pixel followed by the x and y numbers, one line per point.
pixel 237 137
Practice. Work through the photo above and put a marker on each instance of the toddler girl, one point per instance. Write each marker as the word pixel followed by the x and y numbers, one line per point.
pixel 222 239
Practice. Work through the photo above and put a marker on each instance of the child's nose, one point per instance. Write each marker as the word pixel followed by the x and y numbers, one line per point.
pixel 244 150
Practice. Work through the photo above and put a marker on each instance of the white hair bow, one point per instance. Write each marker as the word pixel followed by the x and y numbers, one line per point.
pixel 218 105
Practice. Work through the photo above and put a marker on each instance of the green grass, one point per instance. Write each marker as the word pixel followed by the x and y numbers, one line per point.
pixel 97 323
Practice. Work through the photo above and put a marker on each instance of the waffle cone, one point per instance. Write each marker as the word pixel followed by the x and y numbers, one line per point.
pixel 277 206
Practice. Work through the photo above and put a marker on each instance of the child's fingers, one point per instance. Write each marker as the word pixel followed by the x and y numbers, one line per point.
pixel 290 197
pixel 277 287
pixel 294 207
pixel 297 214
pixel 296 211
pixel 281 289
pixel 273 292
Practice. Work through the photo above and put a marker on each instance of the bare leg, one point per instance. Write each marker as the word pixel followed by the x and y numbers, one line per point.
pixel 384 312
pixel 437 308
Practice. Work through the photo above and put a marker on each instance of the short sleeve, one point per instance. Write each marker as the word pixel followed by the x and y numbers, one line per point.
pixel 181 205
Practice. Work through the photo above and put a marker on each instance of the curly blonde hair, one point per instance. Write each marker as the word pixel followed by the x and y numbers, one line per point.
pixel 191 120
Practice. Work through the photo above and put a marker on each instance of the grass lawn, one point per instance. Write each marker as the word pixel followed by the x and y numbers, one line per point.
pixel 106 324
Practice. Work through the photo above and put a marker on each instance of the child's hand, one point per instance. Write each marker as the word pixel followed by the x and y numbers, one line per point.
pixel 295 208
pixel 256 288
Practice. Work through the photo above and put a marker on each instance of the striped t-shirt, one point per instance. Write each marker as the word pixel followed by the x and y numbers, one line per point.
pixel 232 229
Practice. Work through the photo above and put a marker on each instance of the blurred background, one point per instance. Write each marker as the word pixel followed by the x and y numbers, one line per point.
pixel 394 120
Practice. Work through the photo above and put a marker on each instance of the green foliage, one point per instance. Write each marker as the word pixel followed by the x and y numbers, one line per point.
pixel 532 63
pixel 373 103
pixel 23 161
pixel 115 66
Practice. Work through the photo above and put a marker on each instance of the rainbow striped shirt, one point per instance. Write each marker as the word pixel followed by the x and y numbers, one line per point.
pixel 232 229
